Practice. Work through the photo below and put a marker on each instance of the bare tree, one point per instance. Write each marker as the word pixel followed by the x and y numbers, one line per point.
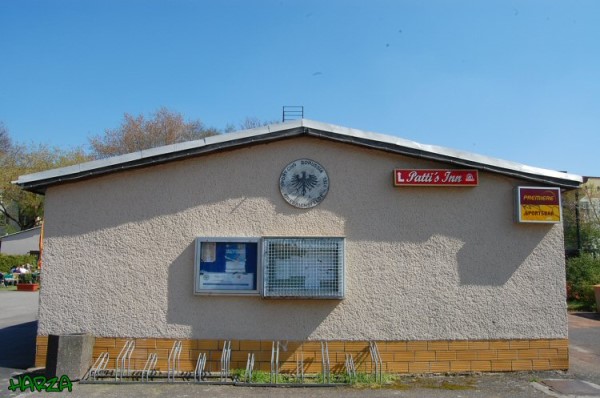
pixel 5 141
pixel 253 122
pixel 137 133
pixel 19 209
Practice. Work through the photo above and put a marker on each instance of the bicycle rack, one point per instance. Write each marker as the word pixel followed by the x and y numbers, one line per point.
pixel 225 360
pixel 325 362
pixel 123 371
pixel 150 367
pixel 300 366
pixel 99 367
pixel 200 364
pixel 249 368
pixel 123 359
pixel 173 361
pixel 350 368
pixel 376 362
pixel 274 362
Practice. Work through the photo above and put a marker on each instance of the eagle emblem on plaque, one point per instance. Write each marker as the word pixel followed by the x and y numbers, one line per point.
pixel 304 183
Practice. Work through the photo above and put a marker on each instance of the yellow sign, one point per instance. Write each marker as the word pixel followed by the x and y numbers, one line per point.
pixel 539 205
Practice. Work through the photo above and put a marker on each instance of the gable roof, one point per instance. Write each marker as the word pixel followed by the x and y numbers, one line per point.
pixel 38 182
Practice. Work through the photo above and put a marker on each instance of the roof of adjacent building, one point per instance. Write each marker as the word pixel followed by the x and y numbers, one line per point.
pixel 21 232
pixel 39 182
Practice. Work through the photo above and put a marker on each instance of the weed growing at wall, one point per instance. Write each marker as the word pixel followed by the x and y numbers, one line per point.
pixel 362 380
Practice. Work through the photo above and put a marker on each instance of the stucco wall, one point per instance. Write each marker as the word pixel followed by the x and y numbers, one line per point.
pixel 421 263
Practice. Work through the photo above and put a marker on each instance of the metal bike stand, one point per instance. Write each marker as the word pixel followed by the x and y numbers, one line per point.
pixel 123 363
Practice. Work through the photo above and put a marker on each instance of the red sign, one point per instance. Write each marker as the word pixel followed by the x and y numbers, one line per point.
pixel 435 177
pixel 539 196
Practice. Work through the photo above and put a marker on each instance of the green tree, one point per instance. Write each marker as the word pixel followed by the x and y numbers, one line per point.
pixel 583 273
pixel 137 133
pixel 18 208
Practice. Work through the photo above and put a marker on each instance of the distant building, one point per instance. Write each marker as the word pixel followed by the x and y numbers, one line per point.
pixel 585 218
pixel 589 199
pixel 22 242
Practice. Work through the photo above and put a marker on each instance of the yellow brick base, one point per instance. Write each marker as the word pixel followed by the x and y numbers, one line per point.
pixel 397 356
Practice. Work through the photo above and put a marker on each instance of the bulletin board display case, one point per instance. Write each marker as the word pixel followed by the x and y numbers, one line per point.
pixel 227 266
pixel 302 268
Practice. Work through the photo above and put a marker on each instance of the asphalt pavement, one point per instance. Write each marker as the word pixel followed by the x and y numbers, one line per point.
pixel 584 346
pixel 18 328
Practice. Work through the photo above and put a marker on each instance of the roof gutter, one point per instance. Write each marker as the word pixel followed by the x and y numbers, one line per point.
pixel 39 186
pixel 39 182
pixel 416 153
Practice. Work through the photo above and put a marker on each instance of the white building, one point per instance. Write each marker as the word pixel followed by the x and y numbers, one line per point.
pixel 303 232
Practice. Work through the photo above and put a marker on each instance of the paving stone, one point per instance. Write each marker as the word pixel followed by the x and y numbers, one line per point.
pixel 573 387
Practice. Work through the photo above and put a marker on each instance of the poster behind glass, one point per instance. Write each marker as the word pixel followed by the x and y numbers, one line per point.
pixel 226 266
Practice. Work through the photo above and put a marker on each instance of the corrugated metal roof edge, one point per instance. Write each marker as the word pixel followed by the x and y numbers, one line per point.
pixel 38 182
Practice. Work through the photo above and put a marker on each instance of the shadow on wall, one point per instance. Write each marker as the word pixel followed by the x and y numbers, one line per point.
pixel 231 317
pixel 494 263
pixel 480 217
pixel 493 246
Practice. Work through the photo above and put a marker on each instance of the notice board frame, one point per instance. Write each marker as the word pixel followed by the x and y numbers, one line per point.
pixel 216 272
pixel 324 270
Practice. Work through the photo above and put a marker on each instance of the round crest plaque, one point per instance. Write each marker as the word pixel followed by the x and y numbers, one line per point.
pixel 304 183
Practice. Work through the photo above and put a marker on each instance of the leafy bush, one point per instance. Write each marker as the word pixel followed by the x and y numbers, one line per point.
pixel 582 274
pixel 8 261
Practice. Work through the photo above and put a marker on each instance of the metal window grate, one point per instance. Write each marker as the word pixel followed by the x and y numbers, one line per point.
pixel 303 267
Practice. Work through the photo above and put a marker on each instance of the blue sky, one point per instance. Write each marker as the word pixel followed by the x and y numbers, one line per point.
pixel 517 80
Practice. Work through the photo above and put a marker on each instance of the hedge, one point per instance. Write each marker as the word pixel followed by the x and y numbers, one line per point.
pixel 8 261
pixel 582 274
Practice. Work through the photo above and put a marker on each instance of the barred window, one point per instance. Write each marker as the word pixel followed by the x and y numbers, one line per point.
pixel 303 267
